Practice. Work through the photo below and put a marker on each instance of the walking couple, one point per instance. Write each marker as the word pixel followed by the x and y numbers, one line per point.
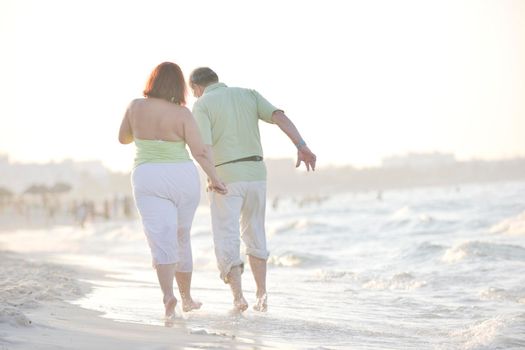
pixel 223 136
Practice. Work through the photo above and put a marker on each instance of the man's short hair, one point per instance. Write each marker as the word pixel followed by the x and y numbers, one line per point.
pixel 203 76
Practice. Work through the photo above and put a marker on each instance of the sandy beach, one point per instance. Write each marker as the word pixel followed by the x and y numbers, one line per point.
pixel 36 313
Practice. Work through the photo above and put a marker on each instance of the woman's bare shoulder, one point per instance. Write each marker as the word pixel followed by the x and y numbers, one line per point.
pixel 185 111
pixel 136 103
pixel 182 112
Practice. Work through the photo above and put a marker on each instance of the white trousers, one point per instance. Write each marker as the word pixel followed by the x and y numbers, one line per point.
pixel 240 214
pixel 167 196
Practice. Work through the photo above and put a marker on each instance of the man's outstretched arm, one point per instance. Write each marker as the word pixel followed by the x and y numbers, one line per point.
pixel 303 152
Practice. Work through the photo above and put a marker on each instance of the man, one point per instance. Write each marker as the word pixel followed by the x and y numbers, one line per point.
pixel 228 120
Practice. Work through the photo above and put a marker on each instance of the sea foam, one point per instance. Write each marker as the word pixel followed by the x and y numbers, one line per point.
pixel 512 226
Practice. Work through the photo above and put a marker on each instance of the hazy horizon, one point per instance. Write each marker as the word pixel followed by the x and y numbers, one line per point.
pixel 291 159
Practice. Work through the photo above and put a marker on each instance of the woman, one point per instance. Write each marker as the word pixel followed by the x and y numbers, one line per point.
pixel 166 184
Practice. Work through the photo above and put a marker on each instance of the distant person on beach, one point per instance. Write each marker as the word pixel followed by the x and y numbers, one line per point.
pixel 166 184
pixel 228 120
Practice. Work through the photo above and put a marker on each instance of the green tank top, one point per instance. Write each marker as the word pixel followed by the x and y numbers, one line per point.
pixel 160 151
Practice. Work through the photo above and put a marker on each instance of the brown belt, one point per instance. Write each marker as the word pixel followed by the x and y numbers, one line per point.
pixel 247 159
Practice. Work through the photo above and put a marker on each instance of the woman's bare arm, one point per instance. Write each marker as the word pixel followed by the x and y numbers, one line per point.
pixel 125 134
pixel 201 152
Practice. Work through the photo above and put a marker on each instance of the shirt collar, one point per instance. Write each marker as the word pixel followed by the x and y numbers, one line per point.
pixel 214 86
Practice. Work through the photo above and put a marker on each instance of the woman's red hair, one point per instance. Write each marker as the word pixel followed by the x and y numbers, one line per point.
pixel 167 82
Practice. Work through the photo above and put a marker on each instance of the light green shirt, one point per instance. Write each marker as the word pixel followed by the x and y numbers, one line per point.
pixel 228 119
pixel 159 151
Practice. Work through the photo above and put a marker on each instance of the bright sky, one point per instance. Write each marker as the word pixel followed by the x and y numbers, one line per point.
pixel 361 79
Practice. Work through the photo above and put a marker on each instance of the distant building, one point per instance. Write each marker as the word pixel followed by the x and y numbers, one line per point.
pixel 19 176
pixel 419 160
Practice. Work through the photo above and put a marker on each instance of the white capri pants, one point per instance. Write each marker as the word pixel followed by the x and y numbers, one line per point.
pixel 167 196
pixel 239 214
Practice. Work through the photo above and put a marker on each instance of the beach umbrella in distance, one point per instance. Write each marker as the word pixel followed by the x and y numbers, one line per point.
pixel 60 187
pixel 36 189
pixel 5 195
pixel 5 192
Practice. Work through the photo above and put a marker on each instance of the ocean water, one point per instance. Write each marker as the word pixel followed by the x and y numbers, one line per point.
pixel 428 268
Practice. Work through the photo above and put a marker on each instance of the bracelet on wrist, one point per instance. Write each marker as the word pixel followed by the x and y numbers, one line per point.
pixel 300 144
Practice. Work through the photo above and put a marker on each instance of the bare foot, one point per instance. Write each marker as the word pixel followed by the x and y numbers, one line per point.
pixel 261 303
pixel 240 304
pixel 169 305
pixel 188 305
